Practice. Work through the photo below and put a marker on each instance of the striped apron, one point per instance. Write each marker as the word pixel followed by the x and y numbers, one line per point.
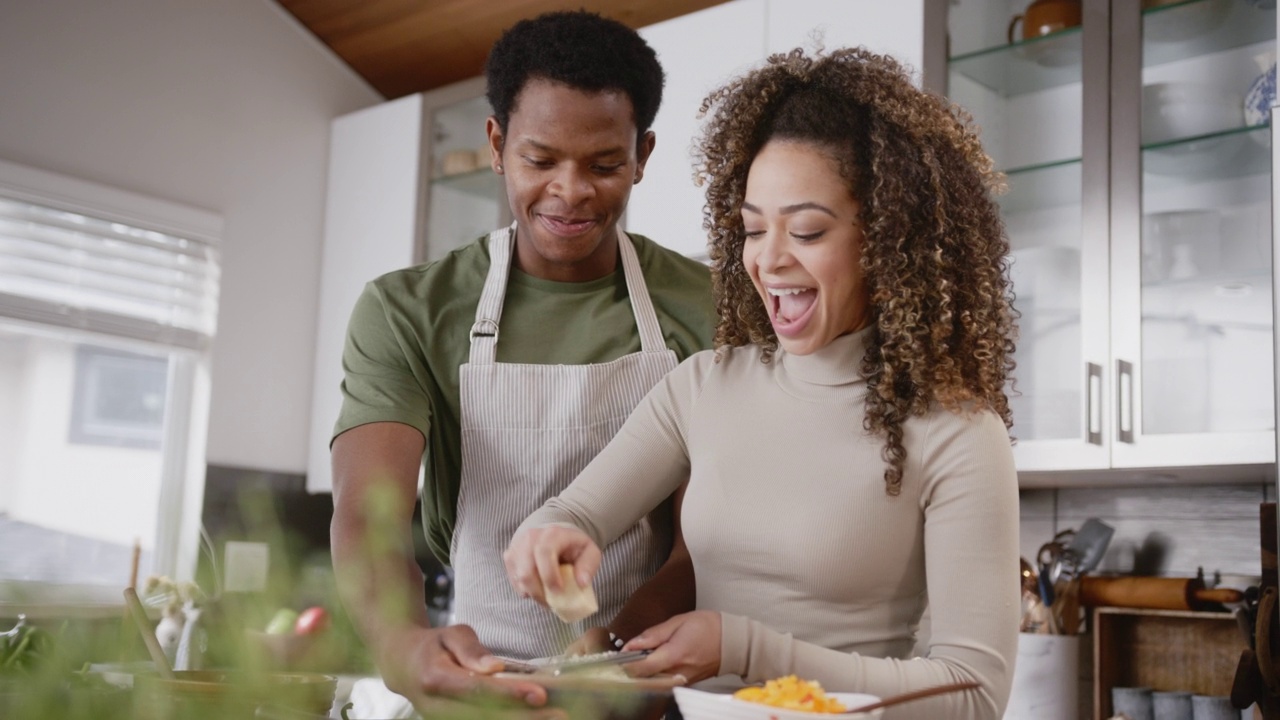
pixel 527 431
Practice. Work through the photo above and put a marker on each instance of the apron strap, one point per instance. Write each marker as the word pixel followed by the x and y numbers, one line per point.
pixel 484 333
pixel 641 304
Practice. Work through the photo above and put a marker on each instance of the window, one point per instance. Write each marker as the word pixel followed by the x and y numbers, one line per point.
pixel 107 311
pixel 119 398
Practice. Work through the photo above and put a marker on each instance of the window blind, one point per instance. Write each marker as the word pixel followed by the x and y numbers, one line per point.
pixel 65 268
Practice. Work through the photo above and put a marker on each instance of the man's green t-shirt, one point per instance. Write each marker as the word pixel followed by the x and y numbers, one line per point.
pixel 409 334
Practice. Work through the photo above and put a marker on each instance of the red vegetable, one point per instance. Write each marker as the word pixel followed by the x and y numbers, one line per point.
pixel 312 620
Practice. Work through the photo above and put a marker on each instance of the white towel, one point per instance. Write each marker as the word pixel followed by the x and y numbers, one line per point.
pixel 372 700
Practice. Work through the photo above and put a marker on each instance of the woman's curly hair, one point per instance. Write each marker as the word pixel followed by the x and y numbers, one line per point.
pixel 934 257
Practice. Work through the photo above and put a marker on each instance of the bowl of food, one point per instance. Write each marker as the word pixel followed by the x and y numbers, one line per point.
pixel 605 693
pixel 217 694
pixel 786 698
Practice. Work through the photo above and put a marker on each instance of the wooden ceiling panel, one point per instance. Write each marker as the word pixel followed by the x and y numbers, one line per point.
pixel 401 47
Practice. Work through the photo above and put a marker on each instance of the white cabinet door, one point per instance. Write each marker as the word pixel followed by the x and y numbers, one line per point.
pixel 1169 298
pixel 371 227
pixel 1191 281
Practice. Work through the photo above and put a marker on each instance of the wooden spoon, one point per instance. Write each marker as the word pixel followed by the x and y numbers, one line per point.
pixel 914 695
pixel 148 635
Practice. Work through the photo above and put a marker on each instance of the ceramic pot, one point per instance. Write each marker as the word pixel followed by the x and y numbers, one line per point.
pixel 1043 17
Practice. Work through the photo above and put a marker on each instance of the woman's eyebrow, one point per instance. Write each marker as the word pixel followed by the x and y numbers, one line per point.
pixel 790 209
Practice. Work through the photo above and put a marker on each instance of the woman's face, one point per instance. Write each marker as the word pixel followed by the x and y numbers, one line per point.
pixel 803 244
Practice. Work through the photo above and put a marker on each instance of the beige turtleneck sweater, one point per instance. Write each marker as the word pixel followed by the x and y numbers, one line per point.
pixel 814 568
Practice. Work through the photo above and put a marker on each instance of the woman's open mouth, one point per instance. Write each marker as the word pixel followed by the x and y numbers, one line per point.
pixel 790 308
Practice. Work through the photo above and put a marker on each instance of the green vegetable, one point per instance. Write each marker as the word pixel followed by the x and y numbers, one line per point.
pixel 24 648
pixel 282 622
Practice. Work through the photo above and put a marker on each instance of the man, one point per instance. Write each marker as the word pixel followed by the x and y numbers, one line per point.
pixel 506 366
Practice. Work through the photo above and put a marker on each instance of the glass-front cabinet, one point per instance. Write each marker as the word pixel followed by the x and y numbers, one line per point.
pixel 1134 136
pixel 464 197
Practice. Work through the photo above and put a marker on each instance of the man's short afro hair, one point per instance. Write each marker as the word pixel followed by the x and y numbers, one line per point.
pixel 580 49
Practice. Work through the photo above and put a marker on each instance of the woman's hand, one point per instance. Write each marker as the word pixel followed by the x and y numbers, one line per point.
pixel 534 557
pixel 687 645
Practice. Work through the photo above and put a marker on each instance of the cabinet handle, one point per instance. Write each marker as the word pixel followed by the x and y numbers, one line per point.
pixel 1093 403
pixel 1124 405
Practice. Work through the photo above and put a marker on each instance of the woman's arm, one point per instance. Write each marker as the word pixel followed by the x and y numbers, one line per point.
pixel 969 500
pixel 642 466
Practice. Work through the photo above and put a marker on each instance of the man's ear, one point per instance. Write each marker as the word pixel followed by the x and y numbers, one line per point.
pixel 643 150
pixel 496 141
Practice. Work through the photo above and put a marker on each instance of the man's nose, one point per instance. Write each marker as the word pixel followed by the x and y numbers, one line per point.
pixel 572 184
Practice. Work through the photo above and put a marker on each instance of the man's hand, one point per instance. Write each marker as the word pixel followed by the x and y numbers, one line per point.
pixel 687 645
pixel 534 557
pixel 427 663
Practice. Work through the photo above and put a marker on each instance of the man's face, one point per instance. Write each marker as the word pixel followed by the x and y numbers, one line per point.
pixel 569 159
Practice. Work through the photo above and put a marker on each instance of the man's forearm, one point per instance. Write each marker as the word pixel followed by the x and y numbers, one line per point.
pixel 669 592
pixel 379 582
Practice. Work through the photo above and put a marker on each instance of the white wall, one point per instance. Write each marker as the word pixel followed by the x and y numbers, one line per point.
pixel 114 491
pixel 223 105
pixel 730 39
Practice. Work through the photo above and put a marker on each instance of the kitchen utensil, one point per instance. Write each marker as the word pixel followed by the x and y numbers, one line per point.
pixel 1088 546
pixel 911 696
pixel 589 696
pixel 1155 593
pixel 143 624
pixel 1051 559
pixel 562 664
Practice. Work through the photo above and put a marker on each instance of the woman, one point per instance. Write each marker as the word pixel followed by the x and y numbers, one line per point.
pixel 846 445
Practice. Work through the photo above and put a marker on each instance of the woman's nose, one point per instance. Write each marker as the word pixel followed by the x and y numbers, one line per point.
pixel 771 251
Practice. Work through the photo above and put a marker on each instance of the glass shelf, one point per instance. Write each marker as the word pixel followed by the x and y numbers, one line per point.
pixel 1036 187
pixel 1181 30
pixel 482 183
pixel 1235 153
pixel 1027 66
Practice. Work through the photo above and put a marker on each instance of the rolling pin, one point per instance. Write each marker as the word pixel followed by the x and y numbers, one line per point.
pixel 1154 593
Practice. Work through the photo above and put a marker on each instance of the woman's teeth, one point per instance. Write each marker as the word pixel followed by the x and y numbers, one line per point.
pixel 792 302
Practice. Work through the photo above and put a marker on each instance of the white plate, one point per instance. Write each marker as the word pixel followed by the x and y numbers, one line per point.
pixel 701 705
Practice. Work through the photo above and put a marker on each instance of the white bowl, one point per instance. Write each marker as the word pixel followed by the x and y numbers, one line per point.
pixel 700 705
pixel 1173 110
pixel 1185 22
pixel 1196 158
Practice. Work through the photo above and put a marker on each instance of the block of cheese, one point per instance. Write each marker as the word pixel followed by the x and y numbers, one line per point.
pixel 571 602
